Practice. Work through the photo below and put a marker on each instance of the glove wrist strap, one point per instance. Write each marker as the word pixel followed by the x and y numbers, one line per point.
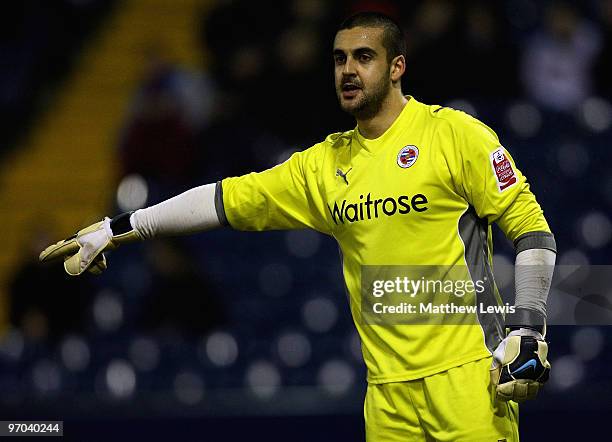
pixel 526 318
pixel 122 229
pixel 120 224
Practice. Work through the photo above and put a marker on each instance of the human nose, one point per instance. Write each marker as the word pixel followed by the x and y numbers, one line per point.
pixel 349 66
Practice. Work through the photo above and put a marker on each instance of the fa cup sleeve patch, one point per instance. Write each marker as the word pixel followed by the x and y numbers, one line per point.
pixel 502 167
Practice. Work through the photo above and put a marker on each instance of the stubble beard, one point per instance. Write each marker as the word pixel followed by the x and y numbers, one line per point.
pixel 370 103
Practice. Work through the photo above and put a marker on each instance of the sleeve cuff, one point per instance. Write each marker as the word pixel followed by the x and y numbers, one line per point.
pixel 535 240
pixel 219 205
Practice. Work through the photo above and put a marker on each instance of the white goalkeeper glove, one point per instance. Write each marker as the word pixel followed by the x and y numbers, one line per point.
pixel 520 367
pixel 84 250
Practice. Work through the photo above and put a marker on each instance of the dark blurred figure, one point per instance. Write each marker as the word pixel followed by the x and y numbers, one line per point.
pixel 160 138
pixel 558 59
pixel 46 303
pixel 603 68
pixel 433 63
pixel 240 35
pixel 180 299
pixel 306 106
pixel 239 38
pixel 489 60
pixel 459 49
pixel 275 75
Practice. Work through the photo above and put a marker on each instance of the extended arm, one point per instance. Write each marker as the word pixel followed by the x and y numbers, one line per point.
pixel 190 212
pixel 278 198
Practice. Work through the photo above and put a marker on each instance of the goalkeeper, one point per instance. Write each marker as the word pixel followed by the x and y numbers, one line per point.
pixel 412 184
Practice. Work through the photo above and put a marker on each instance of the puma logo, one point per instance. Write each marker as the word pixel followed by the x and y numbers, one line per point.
pixel 343 174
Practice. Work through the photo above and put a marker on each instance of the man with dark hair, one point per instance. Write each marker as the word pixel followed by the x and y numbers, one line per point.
pixel 370 100
pixel 392 38
pixel 412 185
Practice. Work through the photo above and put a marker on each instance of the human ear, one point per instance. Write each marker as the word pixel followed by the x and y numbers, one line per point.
pixel 398 67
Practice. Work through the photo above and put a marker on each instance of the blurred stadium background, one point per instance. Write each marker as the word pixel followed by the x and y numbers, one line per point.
pixel 111 105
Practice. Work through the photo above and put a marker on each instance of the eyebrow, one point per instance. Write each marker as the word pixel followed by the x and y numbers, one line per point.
pixel 357 51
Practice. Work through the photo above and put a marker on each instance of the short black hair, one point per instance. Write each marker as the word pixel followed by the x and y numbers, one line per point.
pixel 393 38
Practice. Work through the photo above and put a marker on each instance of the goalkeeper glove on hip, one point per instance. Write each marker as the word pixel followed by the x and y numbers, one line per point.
pixel 520 367
pixel 84 250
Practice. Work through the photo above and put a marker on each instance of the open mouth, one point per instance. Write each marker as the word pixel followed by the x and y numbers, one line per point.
pixel 349 90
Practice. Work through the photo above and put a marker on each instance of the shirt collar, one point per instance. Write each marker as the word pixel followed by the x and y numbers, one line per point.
pixel 402 120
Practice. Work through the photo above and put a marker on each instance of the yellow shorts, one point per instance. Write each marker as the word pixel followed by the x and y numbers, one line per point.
pixel 455 405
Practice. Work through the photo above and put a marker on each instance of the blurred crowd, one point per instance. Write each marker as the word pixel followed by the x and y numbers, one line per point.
pixel 269 89
pixel 537 71
pixel 265 67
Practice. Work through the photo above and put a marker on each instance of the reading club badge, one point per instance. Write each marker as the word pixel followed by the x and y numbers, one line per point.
pixel 407 156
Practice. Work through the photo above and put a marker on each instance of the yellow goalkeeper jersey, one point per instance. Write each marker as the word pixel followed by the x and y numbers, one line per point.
pixel 423 193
